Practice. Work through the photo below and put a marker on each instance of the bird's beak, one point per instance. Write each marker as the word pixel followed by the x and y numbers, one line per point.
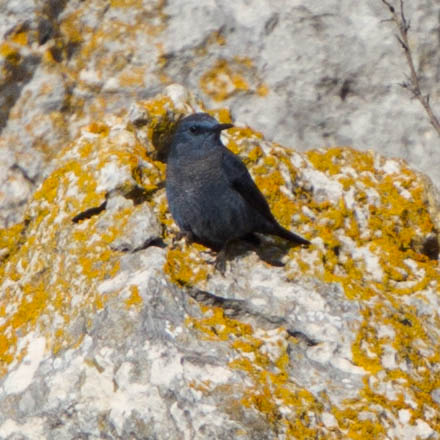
pixel 221 127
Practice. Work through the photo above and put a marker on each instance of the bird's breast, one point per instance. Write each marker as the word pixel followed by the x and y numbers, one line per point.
pixel 195 172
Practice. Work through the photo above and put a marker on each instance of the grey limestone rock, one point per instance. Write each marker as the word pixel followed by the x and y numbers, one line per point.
pixel 111 327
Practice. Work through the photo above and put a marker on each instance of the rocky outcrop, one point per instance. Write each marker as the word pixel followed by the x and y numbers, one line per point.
pixel 110 327
pixel 306 75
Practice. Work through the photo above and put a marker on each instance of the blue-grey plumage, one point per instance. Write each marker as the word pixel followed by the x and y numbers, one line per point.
pixel 211 194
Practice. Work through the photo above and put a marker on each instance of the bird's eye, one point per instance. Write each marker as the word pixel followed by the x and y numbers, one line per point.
pixel 194 129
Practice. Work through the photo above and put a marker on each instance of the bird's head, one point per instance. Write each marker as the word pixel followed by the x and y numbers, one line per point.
pixel 195 130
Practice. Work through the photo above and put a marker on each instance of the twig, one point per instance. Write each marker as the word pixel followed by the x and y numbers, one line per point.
pixel 413 83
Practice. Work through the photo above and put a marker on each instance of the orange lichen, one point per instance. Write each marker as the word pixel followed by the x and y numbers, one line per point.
pixel 221 114
pixel 20 38
pixel 271 388
pixel 10 53
pixel 135 298
pixel 71 27
pixel 262 90
pixel 49 256
pixel 98 128
pixel 229 77
pixel 126 3
pixel 184 267
pixel 132 77
pixel 10 238
pixel 161 117
pixel 394 221
pixel 222 81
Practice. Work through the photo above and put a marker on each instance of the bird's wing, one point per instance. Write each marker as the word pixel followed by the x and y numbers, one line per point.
pixel 240 179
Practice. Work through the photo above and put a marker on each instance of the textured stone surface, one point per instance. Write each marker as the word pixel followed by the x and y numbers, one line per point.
pixel 324 73
pixel 111 328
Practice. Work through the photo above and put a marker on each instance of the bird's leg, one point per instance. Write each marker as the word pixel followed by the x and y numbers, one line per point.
pixel 251 239
pixel 220 261
pixel 187 235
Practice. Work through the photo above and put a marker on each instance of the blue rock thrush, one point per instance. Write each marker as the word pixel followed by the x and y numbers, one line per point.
pixel 211 194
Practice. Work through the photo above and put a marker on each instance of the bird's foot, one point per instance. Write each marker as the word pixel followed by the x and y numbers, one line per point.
pixel 220 262
pixel 187 235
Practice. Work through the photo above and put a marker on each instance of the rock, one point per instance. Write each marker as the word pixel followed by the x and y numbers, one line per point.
pixel 111 327
pixel 325 73
pixel 141 229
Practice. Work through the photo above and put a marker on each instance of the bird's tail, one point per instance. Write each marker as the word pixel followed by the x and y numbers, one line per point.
pixel 284 233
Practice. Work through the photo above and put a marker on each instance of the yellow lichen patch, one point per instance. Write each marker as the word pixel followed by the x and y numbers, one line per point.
pixel 367 348
pixel 283 207
pixel 126 3
pixel 133 77
pixel 56 259
pixel 164 215
pixel 150 178
pixel 10 53
pixel 93 44
pixel 394 219
pixel 227 78
pixel 98 128
pixel 222 81
pixel 390 216
pixel 162 120
pixel 186 266
pixel 85 58
pixel 255 154
pixel 72 29
pixel 215 38
pixel 241 140
pixel 262 90
pixel 10 238
pixel 222 115
pixel 216 326
pixel 219 38
pixel 134 300
pixel 20 38
pixel 332 160
pixel 265 361
pixel 356 429
pixel 244 61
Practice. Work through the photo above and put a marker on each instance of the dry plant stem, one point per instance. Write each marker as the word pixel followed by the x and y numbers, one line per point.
pixel 413 85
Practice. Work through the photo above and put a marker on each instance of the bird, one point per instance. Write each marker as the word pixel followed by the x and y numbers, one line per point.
pixel 211 194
